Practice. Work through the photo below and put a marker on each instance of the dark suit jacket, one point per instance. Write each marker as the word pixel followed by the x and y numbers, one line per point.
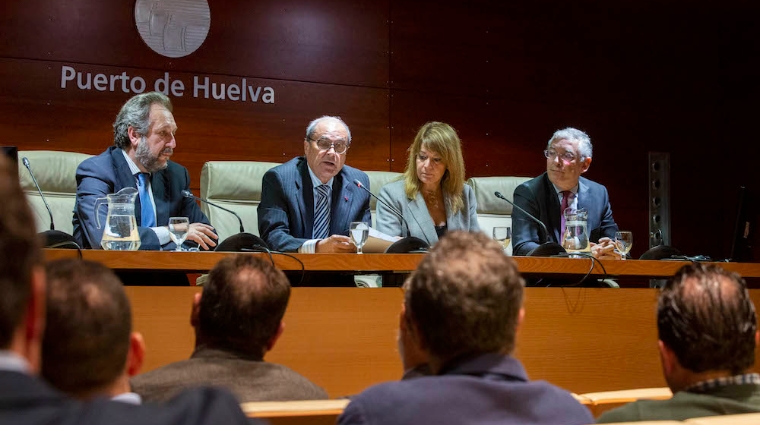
pixel 108 173
pixel 538 197
pixel 286 211
pixel 248 379
pixel 29 401
pixel 488 389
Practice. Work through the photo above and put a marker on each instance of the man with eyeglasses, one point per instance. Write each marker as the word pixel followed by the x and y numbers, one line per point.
pixel 568 155
pixel 308 203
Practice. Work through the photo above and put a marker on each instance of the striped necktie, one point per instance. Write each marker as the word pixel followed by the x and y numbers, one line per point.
pixel 147 214
pixel 322 213
pixel 565 204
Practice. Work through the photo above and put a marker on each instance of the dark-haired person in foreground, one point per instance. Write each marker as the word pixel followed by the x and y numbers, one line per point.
pixel 462 307
pixel 707 337
pixel 89 349
pixel 237 319
pixel 26 399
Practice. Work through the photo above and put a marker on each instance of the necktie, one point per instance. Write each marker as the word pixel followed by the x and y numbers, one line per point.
pixel 322 213
pixel 565 203
pixel 147 215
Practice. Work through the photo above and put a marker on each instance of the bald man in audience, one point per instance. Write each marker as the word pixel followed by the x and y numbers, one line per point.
pixel 26 399
pixel 89 349
pixel 237 319
pixel 707 338
pixel 462 308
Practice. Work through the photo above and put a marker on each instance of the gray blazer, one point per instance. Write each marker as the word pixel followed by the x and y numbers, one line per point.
pixel 416 214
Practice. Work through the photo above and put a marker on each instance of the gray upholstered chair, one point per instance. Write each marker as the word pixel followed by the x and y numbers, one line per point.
pixel 378 179
pixel 492 211
pixel 56 173
pixel 235 185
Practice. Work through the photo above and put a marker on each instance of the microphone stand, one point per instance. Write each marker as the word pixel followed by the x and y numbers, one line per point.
pixel 544 249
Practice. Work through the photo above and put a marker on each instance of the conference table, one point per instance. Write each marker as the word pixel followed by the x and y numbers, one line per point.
pixel 199 262
pixel 344 339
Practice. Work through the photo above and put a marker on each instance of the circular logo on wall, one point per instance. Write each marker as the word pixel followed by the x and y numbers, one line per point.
pixel 173 28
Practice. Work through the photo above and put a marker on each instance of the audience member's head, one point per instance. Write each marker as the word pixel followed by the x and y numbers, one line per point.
pixel 241 307
pixel 88 349
pixel 706 324
pixel 22 278
pixel 464 299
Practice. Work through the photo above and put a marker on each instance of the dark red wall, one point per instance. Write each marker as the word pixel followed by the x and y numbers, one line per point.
pixel 638 76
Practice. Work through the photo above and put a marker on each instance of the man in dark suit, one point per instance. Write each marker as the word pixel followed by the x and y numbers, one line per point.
pixel 462 307
pixel 144 141
pixel 237 319
pixel 568 155
pixel 294 195
pixel 708 335
pixel 25 399
pixel 89 349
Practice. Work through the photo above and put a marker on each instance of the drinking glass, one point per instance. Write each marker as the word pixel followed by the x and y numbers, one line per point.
pixel 623 243
pixel 178 227
pixel 502 235
pixel 359 232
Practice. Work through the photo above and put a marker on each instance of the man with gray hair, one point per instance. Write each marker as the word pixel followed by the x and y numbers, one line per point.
pixel 568 155
pixel 308 203
pixel 143 143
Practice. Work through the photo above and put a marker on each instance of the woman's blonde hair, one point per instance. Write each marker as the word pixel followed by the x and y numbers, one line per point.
pixel 442 139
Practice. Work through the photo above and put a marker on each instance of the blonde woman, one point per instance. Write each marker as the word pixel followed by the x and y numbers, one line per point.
pixel 432 196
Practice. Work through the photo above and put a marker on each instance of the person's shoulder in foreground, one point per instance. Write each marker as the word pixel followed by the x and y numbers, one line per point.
pixel 458 399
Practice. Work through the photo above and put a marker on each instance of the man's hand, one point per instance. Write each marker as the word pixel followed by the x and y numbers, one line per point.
pixel 604 250
pixel 336 243
pixel 203 235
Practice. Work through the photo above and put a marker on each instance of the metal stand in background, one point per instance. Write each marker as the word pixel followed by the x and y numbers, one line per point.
pixel 659 204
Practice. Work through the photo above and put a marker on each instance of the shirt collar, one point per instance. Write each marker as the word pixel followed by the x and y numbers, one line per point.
pixel 129 398
pixel 12 362
pixel 559 191
pixel 316 182
pixel 132 166
pixel 743 379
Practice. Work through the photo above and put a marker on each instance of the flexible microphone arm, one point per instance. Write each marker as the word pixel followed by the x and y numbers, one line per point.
pixel 540 223
pixel 395 212
pixel 188 194
pixel 25 161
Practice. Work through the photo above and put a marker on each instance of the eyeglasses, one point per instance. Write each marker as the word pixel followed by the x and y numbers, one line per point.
pixel 324 144
pixel 566 157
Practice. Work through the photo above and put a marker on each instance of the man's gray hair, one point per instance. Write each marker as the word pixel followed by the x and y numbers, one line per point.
pixel 136 113
pixel 312 125
pixel 584 142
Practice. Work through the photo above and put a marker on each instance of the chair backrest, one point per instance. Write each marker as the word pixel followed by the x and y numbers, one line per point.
pixel 378 179
pixel 56 173
pixel 235 185
pixel 492 211
pixel 302 412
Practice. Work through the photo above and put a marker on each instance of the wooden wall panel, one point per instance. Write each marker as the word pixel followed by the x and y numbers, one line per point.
pixel 638 76
pixel 338 41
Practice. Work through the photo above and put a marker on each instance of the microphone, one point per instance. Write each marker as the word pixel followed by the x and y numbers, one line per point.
pixel 403 245
pixel 546 248
pixel 236 243
pixel 25 161
pixel 53 238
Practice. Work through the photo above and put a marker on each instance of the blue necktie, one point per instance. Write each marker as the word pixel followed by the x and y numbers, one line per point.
pixel 322 213
pixel 147 215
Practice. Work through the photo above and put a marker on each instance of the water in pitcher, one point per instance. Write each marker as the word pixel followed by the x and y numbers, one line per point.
pixel 121 234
